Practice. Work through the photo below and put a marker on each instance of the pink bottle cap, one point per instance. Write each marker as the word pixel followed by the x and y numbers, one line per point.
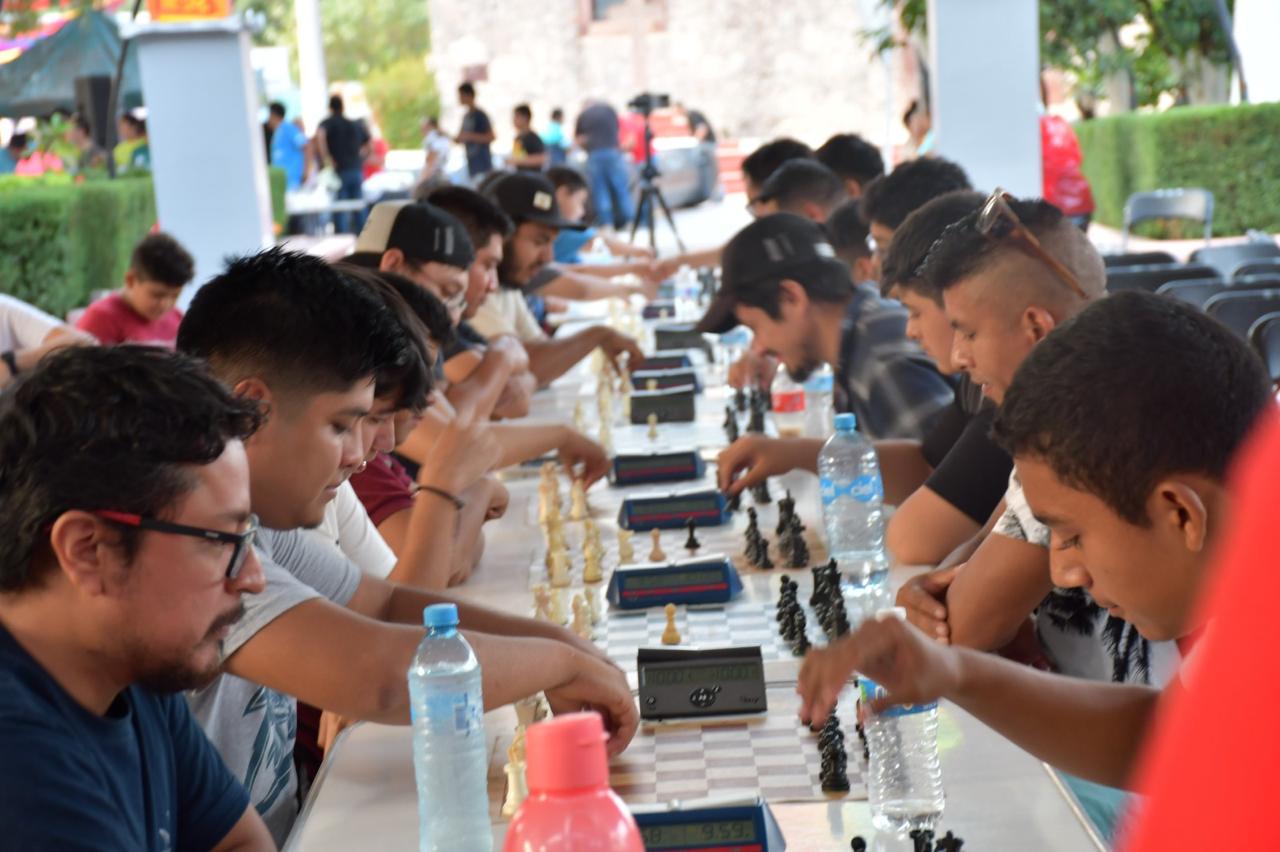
pixel 566 753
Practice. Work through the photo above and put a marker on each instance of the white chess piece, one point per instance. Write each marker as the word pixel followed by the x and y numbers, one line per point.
pixel 626 551
pixel 542 602
pixel 595 605
pixel 591 564
pixel 517 787
pixel 579 419
pixel 578 504
pixel 670 635
pixel 656 555
pixel 557 608
pixel 653 427
pixel 581 617
pixel 558 568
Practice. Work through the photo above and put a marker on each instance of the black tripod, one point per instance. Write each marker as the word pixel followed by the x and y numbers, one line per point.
pixel 648 194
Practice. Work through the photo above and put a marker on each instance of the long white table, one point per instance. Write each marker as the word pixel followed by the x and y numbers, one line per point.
pixel 998 797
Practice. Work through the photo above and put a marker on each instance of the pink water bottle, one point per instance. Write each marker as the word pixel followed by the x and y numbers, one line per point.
pixel 570 806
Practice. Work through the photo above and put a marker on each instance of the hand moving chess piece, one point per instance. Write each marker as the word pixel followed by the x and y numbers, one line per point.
pixel 656 555
pixel 626 551
pixel 670 635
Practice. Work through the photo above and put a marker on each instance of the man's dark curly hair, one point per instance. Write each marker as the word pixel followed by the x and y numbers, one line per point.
pixel 914 238
pixel 105 428
pixel 891 199
pixel 1135 388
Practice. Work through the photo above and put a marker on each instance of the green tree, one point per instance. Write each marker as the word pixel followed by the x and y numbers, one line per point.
pixel 402 93
pixel 1083 36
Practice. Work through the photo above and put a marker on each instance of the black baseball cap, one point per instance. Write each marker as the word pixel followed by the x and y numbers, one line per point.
pixel 422 231
pixel 529 197
pixel 763 253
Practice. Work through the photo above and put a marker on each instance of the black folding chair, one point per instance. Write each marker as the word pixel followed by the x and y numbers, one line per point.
pixel 1182 203
pixel 1225 259
pixel 1137 258
pixel 1149 278
pixel 1257 267
pixel 1238 310
pixel 1196 292
pixel 1264 336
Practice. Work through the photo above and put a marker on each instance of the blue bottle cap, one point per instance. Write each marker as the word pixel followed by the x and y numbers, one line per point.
pixel 440 615
pixel 846 422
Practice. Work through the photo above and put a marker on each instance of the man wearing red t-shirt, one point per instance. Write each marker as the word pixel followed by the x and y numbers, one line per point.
pixel 1121 423
pixel 144 311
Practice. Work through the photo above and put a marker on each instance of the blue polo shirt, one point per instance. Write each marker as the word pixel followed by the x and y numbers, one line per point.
pixel 142 777
pixel 287 144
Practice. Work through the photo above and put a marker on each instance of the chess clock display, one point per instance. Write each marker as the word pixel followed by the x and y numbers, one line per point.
pixel 665 379
pixel 661 308
pixel 664 361
pixel 640 468
pixel 682 335
pixel 740 825
pixel 706 506
pixel 689 581
pixel 673 404
pixel 683 683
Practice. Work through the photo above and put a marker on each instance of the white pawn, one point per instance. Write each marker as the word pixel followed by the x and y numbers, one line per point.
pixel 591 564
pixel 517 787
pixel 653 427
pixel 670 635
pixel 626 551
pixel 581 617
pixel 656 554
pixel 578 504
pixel 595 605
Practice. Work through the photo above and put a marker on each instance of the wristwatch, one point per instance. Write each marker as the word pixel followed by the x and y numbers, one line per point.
pixel 10 361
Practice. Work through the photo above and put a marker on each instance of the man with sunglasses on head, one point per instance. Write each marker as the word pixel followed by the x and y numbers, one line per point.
pixel 1009 274
pixel 126 549
pixel 322 631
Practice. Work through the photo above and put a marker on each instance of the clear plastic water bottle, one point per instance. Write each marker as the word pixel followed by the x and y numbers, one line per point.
pixel 818 403
pixel 853 515
pixel 788 404
pixel 904 778
pixel 449 757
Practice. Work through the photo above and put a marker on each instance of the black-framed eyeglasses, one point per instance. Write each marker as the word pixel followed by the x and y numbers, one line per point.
pixel 242 541
pixel 997 221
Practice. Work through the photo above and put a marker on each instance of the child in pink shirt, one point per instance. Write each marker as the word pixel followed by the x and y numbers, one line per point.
pixel 144 311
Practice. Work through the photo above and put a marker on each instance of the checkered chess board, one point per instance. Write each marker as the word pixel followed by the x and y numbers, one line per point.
pixel 773 754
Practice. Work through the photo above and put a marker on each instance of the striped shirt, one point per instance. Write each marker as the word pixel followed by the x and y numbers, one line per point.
pixel 884 378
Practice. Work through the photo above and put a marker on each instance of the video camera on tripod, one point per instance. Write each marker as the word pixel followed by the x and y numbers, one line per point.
pixel 646 102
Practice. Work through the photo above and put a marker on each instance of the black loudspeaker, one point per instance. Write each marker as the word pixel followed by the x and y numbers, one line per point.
pixel 92 94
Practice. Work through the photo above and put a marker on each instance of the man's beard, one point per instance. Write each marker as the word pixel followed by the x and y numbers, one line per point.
pixel 810 361
pixel 181 675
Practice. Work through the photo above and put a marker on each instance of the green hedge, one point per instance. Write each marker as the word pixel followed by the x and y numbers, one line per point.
pixel 1233 151
pixel 62 241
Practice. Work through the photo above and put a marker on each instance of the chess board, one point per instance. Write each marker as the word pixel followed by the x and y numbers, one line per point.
pixel 772 753
pixel 739 623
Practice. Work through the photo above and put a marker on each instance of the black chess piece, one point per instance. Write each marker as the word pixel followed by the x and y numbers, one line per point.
pixel 802 646
pixel 948 843
pixel 729 417
pixel 799 550
pixel 786 509
pixel 756 422
pixel 692 543
pixel 762 554
pixel 858 844
pixel 740 399
pixel 760 493
pixel 735 502
pixel 731 432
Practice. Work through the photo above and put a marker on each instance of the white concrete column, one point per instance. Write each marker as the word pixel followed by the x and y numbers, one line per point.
pixel 1257 31
pixel 207 157
pixel 313 78
pixel 985 84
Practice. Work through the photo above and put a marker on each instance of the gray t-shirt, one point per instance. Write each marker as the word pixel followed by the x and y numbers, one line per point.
pixel 599 123
pixel 254 727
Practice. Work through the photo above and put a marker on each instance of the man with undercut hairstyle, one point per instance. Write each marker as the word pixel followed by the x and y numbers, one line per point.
pixel 1122 425
pixel 804 187
pixel 889 200
pixel 322 631
pixel 965 473
pixel 854 159
pixel 1009 274
pixel 125 550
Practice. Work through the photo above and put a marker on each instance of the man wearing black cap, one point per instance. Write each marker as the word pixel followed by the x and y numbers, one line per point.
pixel 530 201
pixel 782 279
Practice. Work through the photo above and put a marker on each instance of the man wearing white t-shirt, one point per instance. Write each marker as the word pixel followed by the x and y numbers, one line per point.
pixel 27 334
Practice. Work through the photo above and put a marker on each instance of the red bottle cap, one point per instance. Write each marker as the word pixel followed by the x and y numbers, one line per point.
pixel 566 753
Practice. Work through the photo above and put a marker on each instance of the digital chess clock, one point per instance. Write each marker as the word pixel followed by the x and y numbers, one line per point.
pixel 639 468
pixel 706 506
pixel 709 825
pixel 669 405
pixel 663 308
pixel 680 336
pixel 663 379
pixel 664 361
pixel 689 581
pixel 678 683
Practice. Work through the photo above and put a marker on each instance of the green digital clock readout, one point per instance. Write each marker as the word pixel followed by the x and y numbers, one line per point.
pixel 681 675
pixel 666 579
pixel 675 506
pixel 681 835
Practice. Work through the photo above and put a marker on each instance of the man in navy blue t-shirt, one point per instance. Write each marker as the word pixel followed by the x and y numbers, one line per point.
pixel 125 546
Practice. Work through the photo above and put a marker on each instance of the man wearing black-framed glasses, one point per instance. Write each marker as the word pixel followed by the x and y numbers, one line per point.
pixel 125 549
